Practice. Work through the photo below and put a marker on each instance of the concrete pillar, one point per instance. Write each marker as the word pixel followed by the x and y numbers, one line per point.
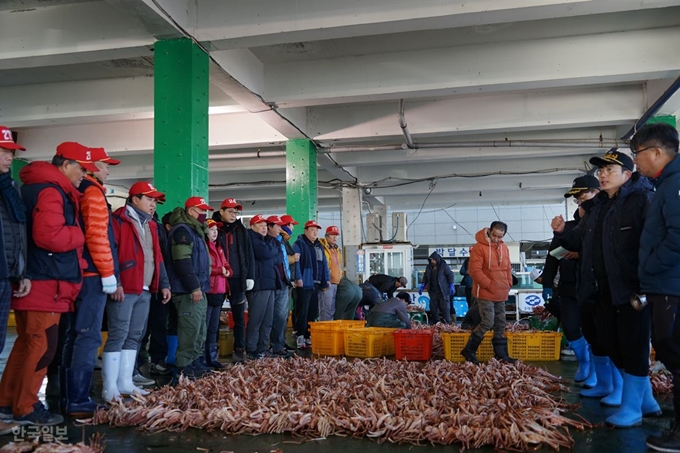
pixel 668 119
pixel 352 232
pixel 301 181
pixel 181 85
pixel 17 165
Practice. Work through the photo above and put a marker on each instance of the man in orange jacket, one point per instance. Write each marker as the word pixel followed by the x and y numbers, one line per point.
pixel 491 274
pixel 100 278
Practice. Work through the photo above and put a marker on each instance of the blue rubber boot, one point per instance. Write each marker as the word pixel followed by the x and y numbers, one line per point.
pixel 603 370
pixel 650 408
pixel 614 398
pixel 582 353
pixel 630 413
pixel 591 381
pixel 173 342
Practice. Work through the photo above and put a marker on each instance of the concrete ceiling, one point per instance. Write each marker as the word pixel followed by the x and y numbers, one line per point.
pixel 562 72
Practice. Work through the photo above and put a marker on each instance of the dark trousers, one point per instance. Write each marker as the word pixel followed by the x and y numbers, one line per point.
pixel 468 296
pixel 157 328
pixel 589 314
pixel 440 304
pixel 212 318
pixel 624 334
pixel 84 335
pixel 666 330
pixel 306 309
pixel 570 318
pixel 260 317
pixel 58 357
pixel 5 301
pixel 237 300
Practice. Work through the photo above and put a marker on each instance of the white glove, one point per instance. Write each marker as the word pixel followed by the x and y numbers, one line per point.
pixel 249 284
pixel 109 284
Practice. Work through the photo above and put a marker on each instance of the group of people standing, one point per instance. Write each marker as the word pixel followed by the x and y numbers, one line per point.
pixel 69 265
pixel 624 242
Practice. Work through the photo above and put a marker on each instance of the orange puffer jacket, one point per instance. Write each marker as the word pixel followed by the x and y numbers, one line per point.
pixel 490 268
pixel 95 213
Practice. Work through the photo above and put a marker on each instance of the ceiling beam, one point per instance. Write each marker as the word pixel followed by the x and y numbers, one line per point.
pixel 491 113
pixel 231 25
pixel 492 67
pixel 69 33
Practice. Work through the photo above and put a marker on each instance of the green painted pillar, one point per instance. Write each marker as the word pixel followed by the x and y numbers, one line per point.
pixel 181 84
pixel 17 165
pixel 301 181
pixel 668 119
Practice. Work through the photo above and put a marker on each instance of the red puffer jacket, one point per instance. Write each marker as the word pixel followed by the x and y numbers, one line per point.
pixel 218 282
pixel 50 232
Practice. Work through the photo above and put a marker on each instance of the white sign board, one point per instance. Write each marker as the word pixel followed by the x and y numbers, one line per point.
pixel 527 301
pixel 451 252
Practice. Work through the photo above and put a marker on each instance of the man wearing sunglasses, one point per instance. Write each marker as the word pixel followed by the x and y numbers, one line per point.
pixel 655 148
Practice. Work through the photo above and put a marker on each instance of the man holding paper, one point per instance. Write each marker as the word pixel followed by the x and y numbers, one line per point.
pixel 572 313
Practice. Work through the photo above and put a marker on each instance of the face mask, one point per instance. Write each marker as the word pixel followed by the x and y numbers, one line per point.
pixel 201 218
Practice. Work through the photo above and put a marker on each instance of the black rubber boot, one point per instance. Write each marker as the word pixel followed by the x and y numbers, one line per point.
pixel 212 356
pixel 78 393
pixel 669 440
pixel 500 349
pixel 53 384
pixel 470 349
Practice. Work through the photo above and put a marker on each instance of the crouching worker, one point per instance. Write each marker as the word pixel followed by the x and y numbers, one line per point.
pixel 391 313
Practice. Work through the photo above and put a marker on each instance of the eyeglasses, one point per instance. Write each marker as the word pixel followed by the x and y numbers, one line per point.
pixel 582 199
pixel 635 153
pixel 607 170
pixel 230 211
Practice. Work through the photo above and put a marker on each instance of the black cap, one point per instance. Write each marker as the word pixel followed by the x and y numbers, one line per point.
pixel 582 183
pixel 614 157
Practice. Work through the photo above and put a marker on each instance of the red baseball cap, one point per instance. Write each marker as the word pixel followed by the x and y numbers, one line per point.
pixel 7 140
pixel 312 223
pixel 100 155
pixel 333 230
pixel 211 223
pixel 276 220
pixel 78 153
pixel 289 220
pixel 197 202
pixel 146 188
pixel 258 219
pixel 231 203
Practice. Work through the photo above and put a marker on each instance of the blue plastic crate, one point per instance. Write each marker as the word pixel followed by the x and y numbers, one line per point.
pixel 461 307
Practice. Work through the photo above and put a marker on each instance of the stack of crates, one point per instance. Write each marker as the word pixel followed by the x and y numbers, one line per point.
pixel 412 344
pixel 328 337
pixel 369 342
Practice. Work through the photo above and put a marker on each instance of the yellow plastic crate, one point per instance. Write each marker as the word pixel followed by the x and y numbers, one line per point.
pixel 541 346
pixel 328 337
pixel 454 342
pixel 105 336
pixel 11 321
pixel 225 341
pixel 369 342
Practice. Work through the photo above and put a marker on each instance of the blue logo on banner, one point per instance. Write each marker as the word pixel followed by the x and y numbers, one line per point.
pixel 533 300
